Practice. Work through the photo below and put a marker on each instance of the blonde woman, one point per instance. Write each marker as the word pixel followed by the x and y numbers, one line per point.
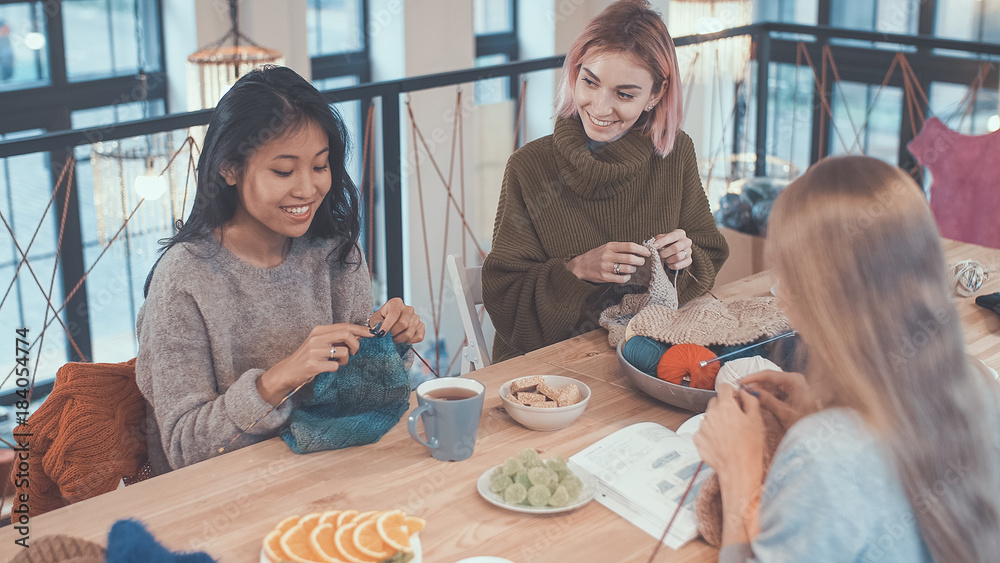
pixel 892 450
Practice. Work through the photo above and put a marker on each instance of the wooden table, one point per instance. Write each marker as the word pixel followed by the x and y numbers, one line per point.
pixel 226 505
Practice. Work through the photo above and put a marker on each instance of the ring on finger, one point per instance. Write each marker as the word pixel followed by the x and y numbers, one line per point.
pixel 618 269
pixel 333 352
pixel 683 254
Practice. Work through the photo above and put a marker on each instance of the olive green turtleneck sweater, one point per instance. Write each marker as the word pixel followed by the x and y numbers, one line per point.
pixel 560 199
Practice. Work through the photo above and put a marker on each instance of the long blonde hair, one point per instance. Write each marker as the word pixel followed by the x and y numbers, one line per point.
pixel 859 258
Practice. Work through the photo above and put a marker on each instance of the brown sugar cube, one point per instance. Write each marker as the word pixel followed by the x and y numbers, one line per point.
pixel 527 398
pixel 544 405
pixel 548 391
pixel 526 383
pixel 569 396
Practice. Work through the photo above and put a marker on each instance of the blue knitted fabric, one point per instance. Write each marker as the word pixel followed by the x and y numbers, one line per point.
pixel 355 405
pixel 130 542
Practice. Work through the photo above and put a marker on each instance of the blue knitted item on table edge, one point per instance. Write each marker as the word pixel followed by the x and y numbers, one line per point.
pixel 130 542
pixel 355 405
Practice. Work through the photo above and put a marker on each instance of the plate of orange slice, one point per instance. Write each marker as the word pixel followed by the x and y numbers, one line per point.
pixel 345 536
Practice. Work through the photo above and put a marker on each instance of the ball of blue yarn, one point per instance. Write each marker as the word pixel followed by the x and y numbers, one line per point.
pixel 644 353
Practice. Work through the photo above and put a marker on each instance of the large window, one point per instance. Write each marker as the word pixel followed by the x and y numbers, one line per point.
pixel 866 117
pixel 107 197
pixel 71 64
pixel 890 16
pixel 797 11
pixel 337 39
pixel 495 27
pixel 110 38
pixel 335 26
pixel 25 190
pixel 23 57
pixel 972 20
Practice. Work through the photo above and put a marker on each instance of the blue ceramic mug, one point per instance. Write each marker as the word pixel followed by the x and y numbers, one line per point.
pixel 450 408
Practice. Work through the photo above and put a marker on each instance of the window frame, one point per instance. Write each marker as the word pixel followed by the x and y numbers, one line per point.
pixel 502 43
pixel 348 63
pixel 868 66
pixel 50 108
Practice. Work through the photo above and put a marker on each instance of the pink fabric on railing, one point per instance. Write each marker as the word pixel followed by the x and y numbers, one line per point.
pixel 965 195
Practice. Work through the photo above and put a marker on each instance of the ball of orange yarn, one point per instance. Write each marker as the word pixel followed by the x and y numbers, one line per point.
pixel 681 362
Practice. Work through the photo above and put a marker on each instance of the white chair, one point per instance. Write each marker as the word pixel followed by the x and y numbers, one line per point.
pixel 468 286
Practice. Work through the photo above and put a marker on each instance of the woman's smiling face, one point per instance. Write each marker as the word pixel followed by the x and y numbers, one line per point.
pixel 611 93
pixel 283 183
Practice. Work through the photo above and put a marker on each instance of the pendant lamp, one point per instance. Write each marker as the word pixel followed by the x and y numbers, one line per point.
pixel 212 71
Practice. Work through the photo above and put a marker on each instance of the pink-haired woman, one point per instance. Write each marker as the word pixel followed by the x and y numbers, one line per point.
pixel 576 206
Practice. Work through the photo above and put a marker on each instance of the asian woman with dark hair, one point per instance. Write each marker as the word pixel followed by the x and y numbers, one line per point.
pixel 264 286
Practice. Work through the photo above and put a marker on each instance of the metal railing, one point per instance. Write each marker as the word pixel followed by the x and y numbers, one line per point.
pixel 771 44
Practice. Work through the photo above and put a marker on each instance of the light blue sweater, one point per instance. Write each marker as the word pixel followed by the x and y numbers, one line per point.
pixel 830 495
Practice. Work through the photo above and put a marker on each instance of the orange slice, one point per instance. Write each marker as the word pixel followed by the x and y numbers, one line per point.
pixel 344 540
pixel 391 528
pixel 298 545
pixel 310 521
pixel 414 524
pixel 368 542
pixel 365 516
pixel 324 544
pixel 329 517
pixel 272 546
pixel 287 524
pixel 346 516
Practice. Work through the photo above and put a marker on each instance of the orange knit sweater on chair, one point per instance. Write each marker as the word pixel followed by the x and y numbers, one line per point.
pixel 85 437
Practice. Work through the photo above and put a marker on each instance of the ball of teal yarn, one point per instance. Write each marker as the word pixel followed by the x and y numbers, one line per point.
pixel 644 353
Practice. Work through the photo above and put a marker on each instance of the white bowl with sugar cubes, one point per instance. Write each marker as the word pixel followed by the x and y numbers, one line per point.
pixel 545 402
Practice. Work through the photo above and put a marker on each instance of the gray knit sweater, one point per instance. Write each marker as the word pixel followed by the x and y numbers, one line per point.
pixel 212 324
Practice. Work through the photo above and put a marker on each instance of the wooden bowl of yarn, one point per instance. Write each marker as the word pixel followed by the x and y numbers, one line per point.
pixel 694 397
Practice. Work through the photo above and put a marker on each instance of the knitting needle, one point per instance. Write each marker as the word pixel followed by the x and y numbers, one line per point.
pixel 261 417
pixel 425 362
pixel 746 389
pixel 678 509
pixel 704 363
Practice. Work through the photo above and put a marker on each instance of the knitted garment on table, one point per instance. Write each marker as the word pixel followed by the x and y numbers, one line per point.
pixel 88 434
pixel 60 549
pixel 129 542
pixel 355 405
pixel 965 195
pixel 705 320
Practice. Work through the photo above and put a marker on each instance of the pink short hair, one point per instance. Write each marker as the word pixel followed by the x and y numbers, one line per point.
pixel 633 28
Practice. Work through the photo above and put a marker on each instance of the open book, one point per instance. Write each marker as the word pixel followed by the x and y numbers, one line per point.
pixel 642 471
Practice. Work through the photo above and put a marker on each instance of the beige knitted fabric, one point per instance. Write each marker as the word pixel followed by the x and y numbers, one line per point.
pixel 60 549
pixel 661 292
pixel 705 320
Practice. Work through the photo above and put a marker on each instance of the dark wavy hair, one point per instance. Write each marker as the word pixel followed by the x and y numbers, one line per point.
pixel 264 105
